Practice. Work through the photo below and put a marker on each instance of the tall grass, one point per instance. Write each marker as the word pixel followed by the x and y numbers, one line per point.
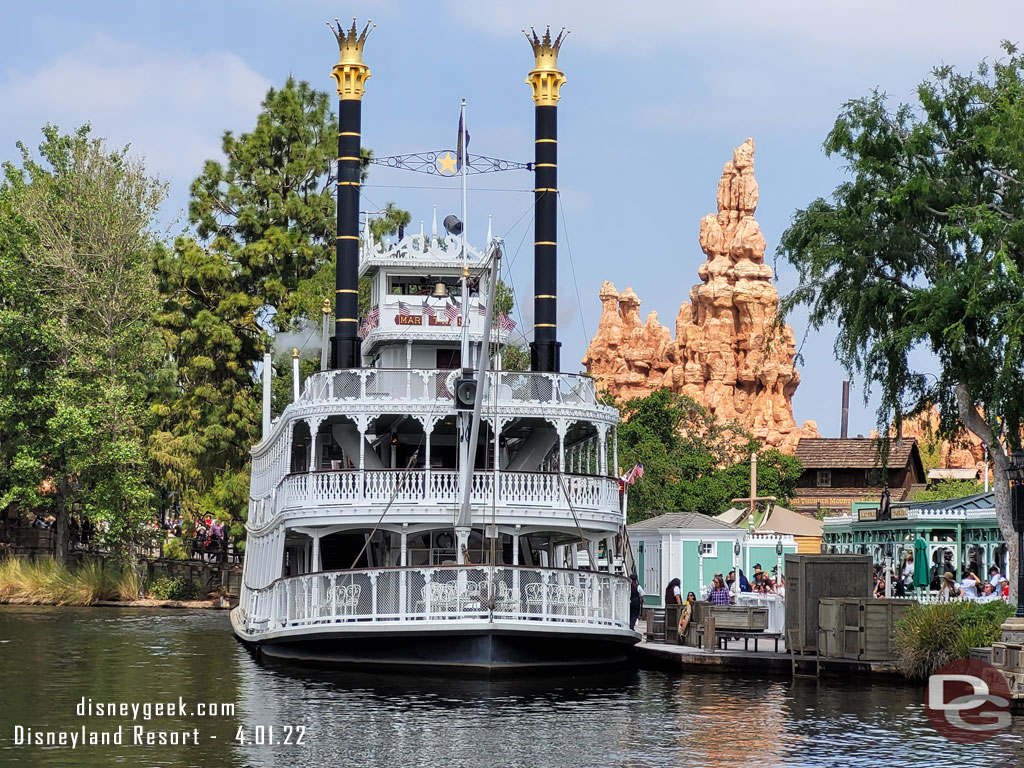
pixel 44 582
pixel 929 636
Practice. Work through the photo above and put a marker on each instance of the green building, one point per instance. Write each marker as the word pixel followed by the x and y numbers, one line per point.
pixel 967 528
pixel 693 548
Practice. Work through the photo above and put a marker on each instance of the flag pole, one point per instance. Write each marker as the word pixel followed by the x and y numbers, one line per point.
pixel 466 361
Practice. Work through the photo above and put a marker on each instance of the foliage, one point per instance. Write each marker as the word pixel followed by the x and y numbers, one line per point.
pixel 173 589
pixel 47 582
pixel 515 357
pixel 77 348
pixel 924 247
pixel 173 549
pixel 949 489
pixel 691 460
pixel 929 636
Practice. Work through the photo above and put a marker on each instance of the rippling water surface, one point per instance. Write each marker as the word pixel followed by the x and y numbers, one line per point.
pixel 50 659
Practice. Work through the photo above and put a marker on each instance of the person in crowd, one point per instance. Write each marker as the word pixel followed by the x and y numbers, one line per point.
pixel 731 583
pixel 719 593
pixel 674 593
pixel 691 598
pixel 969 586
pixel 947 563
pixel 908 572
pixel 995 578
pixel 880 577
pixel 988 594
pixel 948 591
pixel 744 582
pixel 636 600
pixel 1004 590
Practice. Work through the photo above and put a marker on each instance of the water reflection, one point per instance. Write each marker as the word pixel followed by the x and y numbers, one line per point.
pixel 50 658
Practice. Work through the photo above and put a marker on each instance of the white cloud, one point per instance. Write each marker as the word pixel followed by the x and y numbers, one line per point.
pixel 171 106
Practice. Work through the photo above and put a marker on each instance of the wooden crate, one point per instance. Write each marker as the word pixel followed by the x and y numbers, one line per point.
pixel 809 578
pixel 859 628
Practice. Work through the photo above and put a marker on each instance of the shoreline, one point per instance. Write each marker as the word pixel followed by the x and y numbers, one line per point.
pixel 209 604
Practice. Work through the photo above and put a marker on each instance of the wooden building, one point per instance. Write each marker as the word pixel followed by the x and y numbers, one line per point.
pixel 840 471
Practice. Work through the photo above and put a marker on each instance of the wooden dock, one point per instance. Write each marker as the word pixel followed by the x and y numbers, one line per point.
pixel 676 658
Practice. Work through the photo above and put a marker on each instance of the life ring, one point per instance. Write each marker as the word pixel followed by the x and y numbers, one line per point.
pixel 684 619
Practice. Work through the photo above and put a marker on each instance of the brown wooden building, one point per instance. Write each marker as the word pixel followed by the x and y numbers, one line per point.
pixel 838 471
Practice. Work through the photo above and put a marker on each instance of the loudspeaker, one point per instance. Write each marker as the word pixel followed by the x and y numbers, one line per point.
pixel 465 394
pixel 452 224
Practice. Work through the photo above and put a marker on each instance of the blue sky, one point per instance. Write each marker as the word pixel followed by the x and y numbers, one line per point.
pixel 658 94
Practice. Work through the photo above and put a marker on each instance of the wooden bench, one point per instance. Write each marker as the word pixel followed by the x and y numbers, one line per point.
pixel 731 634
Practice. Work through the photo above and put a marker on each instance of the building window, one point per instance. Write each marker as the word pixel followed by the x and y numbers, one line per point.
pixel 824 478
pixel 874 478
pixel 708 548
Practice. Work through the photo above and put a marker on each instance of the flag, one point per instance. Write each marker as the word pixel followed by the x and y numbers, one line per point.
pixel 634 474
pixel 428 310
pixel 452 312
pixel 460 148
pixel 403 309
pixel 372 318
pixel 481 309
pixel 506 323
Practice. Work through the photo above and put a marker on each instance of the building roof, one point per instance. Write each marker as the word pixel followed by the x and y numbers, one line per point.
pixel 979 501
pixel 778 520
pixel 953 473
pixel 694 520
pixel 854 453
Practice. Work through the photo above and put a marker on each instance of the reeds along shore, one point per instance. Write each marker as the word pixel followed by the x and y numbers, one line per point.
pixel 45 582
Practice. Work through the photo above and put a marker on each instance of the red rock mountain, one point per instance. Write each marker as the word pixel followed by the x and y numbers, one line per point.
pixel 726 353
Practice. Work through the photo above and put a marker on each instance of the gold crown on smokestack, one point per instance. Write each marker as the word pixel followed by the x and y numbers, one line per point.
pixel 546 78
pixel 350 72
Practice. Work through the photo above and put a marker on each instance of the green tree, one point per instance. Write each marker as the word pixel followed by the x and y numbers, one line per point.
pixel 949 489
pixel 77 346
pixel 923 247
pixel 682 447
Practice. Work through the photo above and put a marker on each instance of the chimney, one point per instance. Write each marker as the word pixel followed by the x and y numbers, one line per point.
pixel 844 425
pixel 350 73
pixel 546 80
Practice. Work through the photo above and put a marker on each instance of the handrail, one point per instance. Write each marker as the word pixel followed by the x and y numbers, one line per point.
pixel 437 594
pixel 308 490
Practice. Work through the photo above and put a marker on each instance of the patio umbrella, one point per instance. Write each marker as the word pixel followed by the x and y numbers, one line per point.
pixel 921 577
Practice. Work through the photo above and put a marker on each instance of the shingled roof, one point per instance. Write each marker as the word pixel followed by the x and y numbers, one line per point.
pixel 683 520
pixel 854 453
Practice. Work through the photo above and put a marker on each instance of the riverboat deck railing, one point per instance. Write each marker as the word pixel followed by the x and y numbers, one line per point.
pixel 388 596
pixel 389 384
pixel 305 490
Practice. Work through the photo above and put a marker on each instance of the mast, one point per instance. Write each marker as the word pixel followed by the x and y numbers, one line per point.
pixel 546 80
pixel 351 74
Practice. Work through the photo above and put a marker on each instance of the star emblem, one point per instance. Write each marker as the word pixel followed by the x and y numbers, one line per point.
pixel 446 163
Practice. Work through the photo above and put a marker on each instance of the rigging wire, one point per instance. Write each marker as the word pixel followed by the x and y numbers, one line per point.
pixel 572 266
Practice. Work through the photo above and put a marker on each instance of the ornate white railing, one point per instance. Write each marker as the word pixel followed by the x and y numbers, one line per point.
pixel 439 487
pixel 445 594
pixel 385 384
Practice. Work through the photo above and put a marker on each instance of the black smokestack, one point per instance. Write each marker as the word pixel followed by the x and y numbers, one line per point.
pixel 350 73
pixel 844 425
pixel 546 80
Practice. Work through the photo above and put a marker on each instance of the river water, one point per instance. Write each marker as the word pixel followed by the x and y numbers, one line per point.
pixel 54 661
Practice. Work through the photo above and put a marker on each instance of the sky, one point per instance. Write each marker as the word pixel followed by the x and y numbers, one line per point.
pixel 658 94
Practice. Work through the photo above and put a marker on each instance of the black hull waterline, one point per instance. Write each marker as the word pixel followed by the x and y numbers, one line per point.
pixel 484 651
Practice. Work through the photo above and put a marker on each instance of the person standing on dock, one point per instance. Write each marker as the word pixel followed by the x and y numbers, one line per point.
pixel 636 600
pixel 719 593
